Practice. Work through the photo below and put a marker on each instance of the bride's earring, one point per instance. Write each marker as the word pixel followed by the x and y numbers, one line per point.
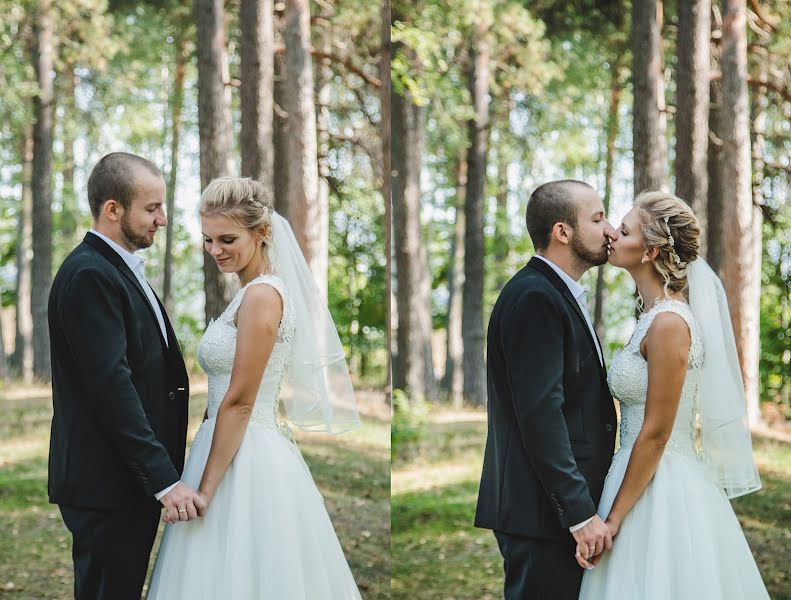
pixel 643 260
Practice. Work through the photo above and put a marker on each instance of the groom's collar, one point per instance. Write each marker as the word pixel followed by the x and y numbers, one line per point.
pixel 575 288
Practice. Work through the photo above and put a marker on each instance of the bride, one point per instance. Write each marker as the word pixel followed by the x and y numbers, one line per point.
pixel 265 533
pixel 684 446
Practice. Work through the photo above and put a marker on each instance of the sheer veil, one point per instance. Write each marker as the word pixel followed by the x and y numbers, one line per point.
pixel 317 391
pixel 725 436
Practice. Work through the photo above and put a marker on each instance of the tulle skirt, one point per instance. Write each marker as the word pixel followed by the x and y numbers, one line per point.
pixel 266 535
pixel 680 541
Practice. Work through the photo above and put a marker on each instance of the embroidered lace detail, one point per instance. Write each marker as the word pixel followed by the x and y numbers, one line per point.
pixel 628 381
pixel 217 348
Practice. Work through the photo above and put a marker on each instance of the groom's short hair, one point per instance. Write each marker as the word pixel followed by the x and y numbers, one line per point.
pixel 551 203
pixel 113 178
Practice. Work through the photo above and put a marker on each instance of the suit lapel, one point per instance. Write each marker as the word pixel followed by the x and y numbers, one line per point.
pixel 115 258
pixel 560 285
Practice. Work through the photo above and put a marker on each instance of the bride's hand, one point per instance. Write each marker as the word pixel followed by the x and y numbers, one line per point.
pixel 614 526
pixel 202 501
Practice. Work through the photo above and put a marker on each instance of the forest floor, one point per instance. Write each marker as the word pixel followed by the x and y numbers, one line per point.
pixel 438 554
pixel 352 472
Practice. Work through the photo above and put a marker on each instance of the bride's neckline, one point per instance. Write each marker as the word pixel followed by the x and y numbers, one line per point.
pixel 660 302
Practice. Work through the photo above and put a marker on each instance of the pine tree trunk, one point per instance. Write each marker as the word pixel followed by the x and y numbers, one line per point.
pixel 474 207
pixel 738 264
pixel 714 169
pixel 692 106
pixel 308 216
pixel 384 99
pixel 648 137
pixel 413 371
pixel 613 126
pixel 214 127
pixel 453 380
pixel 256 92
pixel 175 118
pixel 22 359
pixel 41 269
pixel 280 183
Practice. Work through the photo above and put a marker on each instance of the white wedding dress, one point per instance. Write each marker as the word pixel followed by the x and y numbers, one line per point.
pixel 681 540
pixel 267 534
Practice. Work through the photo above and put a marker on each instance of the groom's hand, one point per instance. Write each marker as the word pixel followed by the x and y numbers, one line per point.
pixel 180 504
pixel 592 539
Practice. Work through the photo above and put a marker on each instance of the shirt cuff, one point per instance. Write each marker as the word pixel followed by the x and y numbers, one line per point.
pixel 574 528
pixel 164 492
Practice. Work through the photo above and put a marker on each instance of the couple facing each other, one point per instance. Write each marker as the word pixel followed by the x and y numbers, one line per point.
pixel 654 521
pixel 245 519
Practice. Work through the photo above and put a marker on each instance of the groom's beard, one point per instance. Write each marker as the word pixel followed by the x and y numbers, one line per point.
pixel 586 256
pixel 133 239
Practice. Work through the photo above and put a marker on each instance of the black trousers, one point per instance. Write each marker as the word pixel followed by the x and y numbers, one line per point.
pixel 539 569
pixel 110 550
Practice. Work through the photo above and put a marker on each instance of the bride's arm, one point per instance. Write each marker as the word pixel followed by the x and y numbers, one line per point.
pixel 666 351
pixel 258 319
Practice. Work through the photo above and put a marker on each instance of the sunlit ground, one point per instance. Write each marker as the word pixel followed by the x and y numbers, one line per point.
pixel 352 472
pixel 438 554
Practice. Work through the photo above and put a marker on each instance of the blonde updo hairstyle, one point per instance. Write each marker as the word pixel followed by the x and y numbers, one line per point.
pixel 245 202
pixel 669 225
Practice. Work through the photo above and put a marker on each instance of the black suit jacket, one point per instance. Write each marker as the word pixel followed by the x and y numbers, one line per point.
pixel 551 431
pixel 120 395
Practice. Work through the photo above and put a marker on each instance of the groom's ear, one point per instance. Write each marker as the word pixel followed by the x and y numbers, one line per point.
pixel 561 232
pixel 112 210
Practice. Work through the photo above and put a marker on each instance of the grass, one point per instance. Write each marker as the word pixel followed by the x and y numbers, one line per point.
pixel 439 555
pixel 351 471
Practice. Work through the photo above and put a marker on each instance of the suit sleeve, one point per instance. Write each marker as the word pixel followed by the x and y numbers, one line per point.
pixel 533 350
pixel 93 325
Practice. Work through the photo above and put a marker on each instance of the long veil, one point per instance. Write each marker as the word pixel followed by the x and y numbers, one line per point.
pixel 725 436
pixel 317 391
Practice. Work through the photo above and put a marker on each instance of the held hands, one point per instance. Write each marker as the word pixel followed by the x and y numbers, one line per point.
pixel 182 504
pixel 592 540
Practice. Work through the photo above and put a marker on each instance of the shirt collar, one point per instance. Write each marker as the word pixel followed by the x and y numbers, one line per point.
pixel 132 261
pixel 575 288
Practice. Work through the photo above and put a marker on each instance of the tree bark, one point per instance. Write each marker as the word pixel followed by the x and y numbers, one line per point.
pixel 214 127
pixel 648 137
pixel 308 216
pixel 453 380
pixel 256 91
pixel 692 106
pixel 41 268
pixel 280 181
pixel 22 359
pixel 714 204
pixel 613 126
pixel 413 371
pixel 739 265
pixel 384 98
pixel 175 117
pixel 474 206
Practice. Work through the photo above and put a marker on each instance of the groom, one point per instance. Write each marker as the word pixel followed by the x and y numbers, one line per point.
pixel 120 389
pixel 551 430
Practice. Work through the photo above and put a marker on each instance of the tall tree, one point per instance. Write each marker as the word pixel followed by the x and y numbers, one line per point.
pixel 257 83
pixel 714 172
pixel 177 104
pixel 613 126
pixel 280 136
pixel 384 99
pixel 648 132
pixel 41 268
pixel 308 216
pixel 453 379
pixel 214 128
pixel 413 371
pixel 738 265
pixel 22 359
pixel 692 105
pixel 474 208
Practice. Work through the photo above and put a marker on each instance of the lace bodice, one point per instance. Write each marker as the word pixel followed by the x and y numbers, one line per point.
pixel 217 348
pixel 628 381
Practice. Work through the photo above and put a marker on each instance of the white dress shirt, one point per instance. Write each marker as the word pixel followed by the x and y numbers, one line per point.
pixel 137 266
pixel 579 294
